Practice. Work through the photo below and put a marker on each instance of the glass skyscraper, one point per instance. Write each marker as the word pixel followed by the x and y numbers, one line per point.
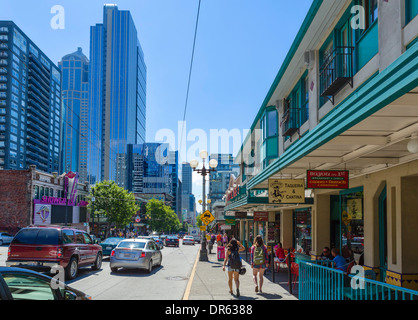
pixel 117 96
pixel 30 104
pixel 75 97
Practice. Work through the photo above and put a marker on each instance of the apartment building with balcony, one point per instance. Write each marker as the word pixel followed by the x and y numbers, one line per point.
pixel 30 104
pixel 344 100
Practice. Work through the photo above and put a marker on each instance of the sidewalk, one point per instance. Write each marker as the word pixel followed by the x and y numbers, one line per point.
pixel 209 282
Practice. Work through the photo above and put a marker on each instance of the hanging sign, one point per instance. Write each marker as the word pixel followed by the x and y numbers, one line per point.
pixel 327 179
pixel 261 216
pixel 288 191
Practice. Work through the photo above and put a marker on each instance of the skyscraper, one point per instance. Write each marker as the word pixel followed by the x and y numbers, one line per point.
pixel 75 70
pixel 30 104
pixel 117 96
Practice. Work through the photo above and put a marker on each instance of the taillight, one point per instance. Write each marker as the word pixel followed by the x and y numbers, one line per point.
pixel 142 254
pixel 112 254
pixel 9 252
pixel 59 253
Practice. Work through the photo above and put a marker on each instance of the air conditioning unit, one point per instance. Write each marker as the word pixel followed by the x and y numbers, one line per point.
pixel 309 59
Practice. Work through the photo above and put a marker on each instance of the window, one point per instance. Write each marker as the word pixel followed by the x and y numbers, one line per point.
pixel 26 287
pixel 87 238
pixel 80 237
pixel 67 236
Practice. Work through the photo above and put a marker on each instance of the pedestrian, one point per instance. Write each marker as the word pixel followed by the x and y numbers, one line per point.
pixel 219 240
pixel 259 261
pixel 340 262
pixel 279 255
pixel 326 254
pixel 233 262
pixel 225 239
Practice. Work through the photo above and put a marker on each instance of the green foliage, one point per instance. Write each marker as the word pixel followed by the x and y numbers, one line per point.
pixel 161 217
pixel 114 202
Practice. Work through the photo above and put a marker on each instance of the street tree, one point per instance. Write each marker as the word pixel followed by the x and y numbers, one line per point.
pixel 161 217
pixel 115 203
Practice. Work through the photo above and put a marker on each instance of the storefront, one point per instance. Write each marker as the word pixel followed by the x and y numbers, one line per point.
pixel 302 223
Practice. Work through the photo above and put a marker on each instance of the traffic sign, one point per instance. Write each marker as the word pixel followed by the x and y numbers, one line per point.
pixel 202 228
pixel 207 217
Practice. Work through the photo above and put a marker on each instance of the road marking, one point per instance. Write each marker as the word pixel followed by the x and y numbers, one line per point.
pixel 189 284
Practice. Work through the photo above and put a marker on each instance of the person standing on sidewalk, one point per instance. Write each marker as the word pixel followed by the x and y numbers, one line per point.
pixel 233 262
pixel 259 261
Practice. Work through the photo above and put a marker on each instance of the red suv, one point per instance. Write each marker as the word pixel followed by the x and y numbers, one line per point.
pixel 37 247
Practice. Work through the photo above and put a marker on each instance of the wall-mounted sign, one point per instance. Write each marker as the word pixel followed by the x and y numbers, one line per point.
pixel 42 214
pixel 261 216
pixel 327 179
pixel 241 215
pixel 286 191
pixel 230 221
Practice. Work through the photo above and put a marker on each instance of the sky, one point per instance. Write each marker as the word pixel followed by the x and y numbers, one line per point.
pixel 240 46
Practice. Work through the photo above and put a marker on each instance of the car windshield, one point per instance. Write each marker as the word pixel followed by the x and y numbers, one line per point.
pixel 132 245
pixel 37 236
pixel 112 240
pixel 172 237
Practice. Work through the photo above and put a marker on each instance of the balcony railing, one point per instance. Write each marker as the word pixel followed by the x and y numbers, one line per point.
pixel 336 71
pixel 317 282
pixel 290 121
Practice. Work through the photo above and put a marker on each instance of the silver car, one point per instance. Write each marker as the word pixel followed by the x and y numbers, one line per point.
pixel 135 254
pixel 5 238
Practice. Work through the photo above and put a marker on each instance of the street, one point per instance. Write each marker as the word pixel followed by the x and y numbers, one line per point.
pixel 167 282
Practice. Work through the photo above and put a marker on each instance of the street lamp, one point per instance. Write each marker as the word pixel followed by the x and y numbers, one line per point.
pixel 204 172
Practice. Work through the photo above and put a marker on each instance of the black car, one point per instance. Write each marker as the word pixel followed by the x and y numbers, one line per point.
pixel 171 241
pixel 24 284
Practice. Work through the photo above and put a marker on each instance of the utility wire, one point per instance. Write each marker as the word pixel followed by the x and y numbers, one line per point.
pixel 190 76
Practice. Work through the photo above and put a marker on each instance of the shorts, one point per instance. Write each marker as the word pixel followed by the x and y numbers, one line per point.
pixel 229 269
pixel 259 266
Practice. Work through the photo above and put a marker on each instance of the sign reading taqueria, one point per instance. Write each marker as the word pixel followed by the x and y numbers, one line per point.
pixel 287 191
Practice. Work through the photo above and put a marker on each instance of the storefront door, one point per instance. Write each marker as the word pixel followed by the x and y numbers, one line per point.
pixel 383 239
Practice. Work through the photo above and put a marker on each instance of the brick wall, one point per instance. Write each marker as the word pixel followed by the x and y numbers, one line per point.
pixel 15 199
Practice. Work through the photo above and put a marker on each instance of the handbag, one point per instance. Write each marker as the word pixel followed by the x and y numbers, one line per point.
pixel 242 271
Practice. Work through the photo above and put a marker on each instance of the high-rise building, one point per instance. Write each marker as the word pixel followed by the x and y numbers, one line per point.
pixel 75 70
pixel 187 197
pixel 30 104
pixel 117 94
pixel 219 179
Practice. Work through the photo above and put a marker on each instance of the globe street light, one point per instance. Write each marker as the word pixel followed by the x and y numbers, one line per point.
pixel 204 172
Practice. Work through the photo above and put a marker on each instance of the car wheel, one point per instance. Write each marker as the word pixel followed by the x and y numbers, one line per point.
pixel 161 260
pixel 72 269
pixel 149 270
pixel 98 263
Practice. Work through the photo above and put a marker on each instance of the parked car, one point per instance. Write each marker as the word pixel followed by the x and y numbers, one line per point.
pixel 109 244
pixel 172 241
pixel 23 284
pixel 188 240
pixel 158 241
pixel 5 238
pixel 43 248
pixel 135 254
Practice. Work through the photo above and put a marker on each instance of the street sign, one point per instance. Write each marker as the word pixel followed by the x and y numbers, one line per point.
pixel 207 217
pixel 202 228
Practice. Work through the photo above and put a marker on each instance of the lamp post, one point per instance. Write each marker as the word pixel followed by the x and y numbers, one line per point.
pixel 204 172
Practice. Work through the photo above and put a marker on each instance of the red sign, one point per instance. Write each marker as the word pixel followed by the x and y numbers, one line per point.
pixel 261 216
pixel 327 179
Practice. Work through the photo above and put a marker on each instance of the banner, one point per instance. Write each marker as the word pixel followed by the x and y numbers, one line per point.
pixel 287 191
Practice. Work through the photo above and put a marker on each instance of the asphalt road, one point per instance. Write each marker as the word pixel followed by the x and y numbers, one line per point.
pixel 167 282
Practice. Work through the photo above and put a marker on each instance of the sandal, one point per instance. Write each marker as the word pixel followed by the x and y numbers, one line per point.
pixel 256 288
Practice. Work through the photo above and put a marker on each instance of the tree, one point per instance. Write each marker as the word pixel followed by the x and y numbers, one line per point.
pixel 115 203
pixel 161 217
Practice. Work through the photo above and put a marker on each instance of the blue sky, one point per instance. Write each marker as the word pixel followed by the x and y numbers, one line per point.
pixel 240 47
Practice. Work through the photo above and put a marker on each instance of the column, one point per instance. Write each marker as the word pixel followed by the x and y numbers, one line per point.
pixel 286 228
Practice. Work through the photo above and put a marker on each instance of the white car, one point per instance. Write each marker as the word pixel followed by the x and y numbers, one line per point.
pixel 5 238
pixel 188 240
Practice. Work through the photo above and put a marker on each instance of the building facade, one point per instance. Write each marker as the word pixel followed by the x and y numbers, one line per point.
pixel 117 96
pixel 75 81
pixel 344 108
pixel 30 104
pixel 35 197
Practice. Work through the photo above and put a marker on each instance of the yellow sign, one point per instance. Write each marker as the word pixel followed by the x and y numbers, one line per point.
pixel 203 228
pixel 286 191
pixel 346 217
pixel 207 217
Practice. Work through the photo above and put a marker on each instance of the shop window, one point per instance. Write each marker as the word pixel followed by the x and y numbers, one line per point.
pixel 302 222
pixel 352 223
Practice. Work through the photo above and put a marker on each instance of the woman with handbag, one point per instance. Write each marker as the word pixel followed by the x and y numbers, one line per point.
pixel 233 262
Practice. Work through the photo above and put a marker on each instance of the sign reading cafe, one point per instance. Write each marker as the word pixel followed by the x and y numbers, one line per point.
pixel 287 191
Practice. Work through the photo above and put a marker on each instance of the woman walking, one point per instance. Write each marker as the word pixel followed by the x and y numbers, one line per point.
pixel 233 262
pixel 259 261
